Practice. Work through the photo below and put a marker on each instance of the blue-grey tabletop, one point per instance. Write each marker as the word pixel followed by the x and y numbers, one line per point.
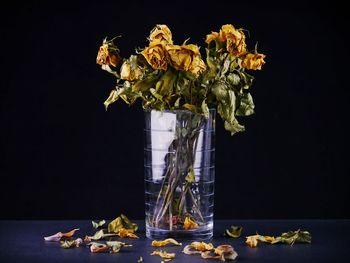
pixel 22 241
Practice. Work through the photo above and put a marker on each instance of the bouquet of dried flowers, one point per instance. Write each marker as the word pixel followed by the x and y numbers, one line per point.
pixel 167 76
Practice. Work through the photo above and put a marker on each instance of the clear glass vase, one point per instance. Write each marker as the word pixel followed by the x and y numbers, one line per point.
pixel 179 174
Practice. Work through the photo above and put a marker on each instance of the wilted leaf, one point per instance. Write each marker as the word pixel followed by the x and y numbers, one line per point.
pixel 162 243
pixel 246 106
pixel 71 243
pixel 98 235
pixel 128 224
pixel 189 223
pixel 233 79
pixel 116 246
pixel 234 232
pixel 289 238
pixel 115 225
pixel 98 224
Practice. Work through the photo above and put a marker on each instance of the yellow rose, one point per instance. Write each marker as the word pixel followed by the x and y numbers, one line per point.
pixel 156 55
pixel 162 34
pixel 186 58
pixel 235 40
pixel 108 54
pixel 129 73
pixel 212 36
pixel 253 61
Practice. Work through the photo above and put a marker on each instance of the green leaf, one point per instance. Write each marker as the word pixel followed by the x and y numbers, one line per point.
pixel 205 109
pixel 165 84
pixel 219 89
pixel 226 109
pixel 291 237
pixel 234 232
pixel 233 79
pixel 98 224
pixel 246 106
pixel 190 177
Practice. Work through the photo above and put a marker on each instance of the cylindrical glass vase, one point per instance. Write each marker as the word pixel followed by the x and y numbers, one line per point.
pixel 179 174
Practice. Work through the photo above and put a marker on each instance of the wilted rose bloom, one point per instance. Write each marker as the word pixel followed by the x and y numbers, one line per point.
pixel 108 55
pixel 129 73
pixel 212 36
pixel 156 55
pixel 253 61
pixel 235 39
pixel 162 34
pixel 186 58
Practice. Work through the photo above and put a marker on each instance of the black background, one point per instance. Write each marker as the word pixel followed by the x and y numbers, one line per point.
pixel 63 156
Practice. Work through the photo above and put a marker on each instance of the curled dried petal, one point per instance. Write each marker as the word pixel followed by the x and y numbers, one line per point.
pixel 163 254
pixel 188 250
pixel 252 241
pixel 202 246
pixel 190 224
pixel 225 252
pixel 126 233
pixel 162 243
pixel 98 247
pixel 56 237
pixel 70 233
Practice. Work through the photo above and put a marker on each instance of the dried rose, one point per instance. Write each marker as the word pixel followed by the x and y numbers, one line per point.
pixel 156 55
pixel 130 73
pixel 186 58
pixel 162 243
pixel 253 61
pixel 108 54
pixel 190 224
pixel 234 39
pixel 161 33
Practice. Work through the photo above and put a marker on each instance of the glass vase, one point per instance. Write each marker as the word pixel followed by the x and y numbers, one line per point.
pixel 179 174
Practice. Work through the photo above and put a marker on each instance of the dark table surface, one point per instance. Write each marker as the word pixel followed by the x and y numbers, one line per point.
pixel 22 241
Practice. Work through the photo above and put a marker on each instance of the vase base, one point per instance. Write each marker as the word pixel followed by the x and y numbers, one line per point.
pixel 202 233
